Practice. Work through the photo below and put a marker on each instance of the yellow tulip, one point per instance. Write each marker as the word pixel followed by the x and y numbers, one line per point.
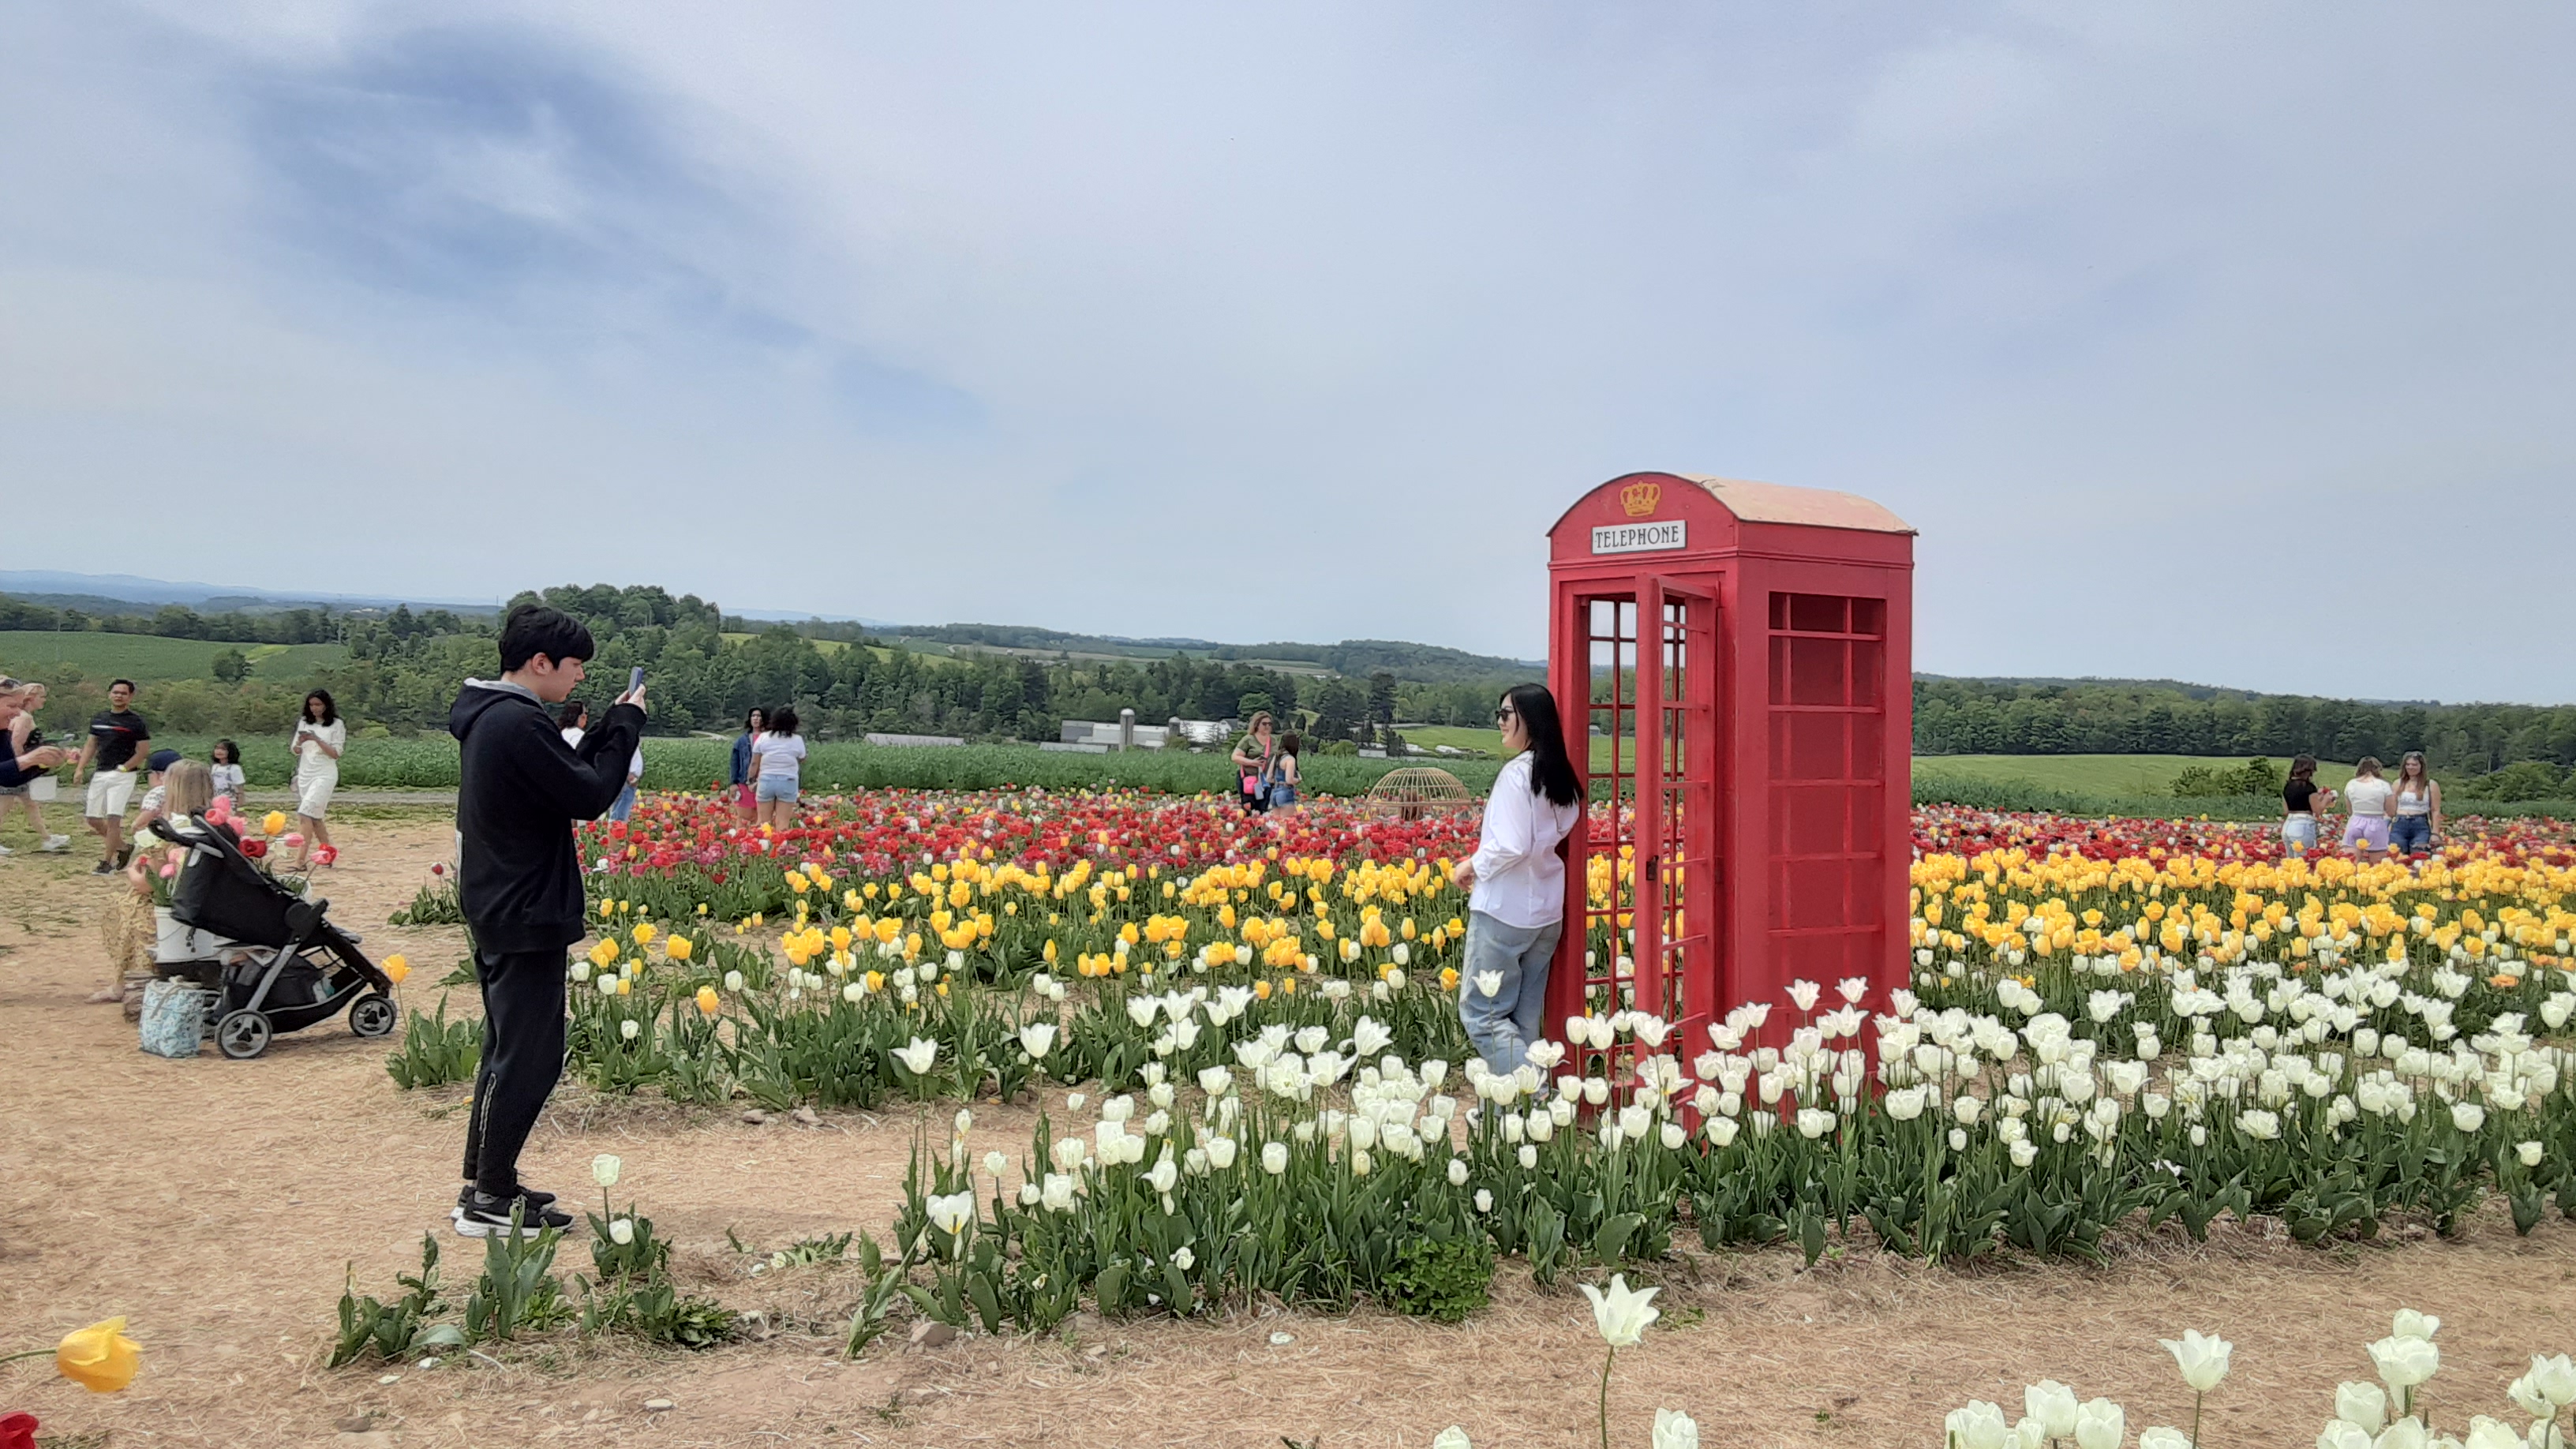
pixel 643 934
pixel 707 1000
pixel 273 823
pixel 396 968
pixel 99 1358
pixel 678 948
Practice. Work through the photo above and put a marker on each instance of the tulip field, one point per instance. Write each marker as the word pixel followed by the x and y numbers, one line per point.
pixel 1252 1039
pixel 1243 1040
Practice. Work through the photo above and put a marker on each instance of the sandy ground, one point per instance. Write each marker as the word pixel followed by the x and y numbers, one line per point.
pixel 218 1204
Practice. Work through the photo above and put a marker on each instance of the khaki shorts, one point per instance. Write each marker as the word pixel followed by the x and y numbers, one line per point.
pixel 110 791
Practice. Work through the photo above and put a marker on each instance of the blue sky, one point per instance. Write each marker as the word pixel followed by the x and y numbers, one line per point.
pixel 2198 340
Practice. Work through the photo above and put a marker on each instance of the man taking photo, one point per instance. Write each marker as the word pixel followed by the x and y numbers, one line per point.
pixel 519 880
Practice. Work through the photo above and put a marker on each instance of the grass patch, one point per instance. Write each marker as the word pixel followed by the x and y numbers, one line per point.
pixel 144 658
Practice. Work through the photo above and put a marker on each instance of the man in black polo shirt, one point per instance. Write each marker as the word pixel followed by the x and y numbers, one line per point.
pixel 119 742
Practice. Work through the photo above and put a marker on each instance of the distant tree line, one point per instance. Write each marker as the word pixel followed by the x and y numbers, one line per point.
pixel 1967 716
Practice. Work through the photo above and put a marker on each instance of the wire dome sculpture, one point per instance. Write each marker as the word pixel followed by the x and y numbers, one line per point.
pixel 1416 791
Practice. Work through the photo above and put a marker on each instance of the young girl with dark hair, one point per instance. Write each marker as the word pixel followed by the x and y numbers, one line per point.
pixel 1516 882
pixel 2303 803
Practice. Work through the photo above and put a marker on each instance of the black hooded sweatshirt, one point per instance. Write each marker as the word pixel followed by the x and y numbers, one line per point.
pixel 521 789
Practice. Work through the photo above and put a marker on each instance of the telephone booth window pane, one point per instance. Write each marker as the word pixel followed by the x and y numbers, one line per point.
pixel 1816 671
pixel 1817 614
pixel 1868 673
pixel 1869 618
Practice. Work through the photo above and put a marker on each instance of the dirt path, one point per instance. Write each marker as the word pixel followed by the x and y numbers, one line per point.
pixel 217 1203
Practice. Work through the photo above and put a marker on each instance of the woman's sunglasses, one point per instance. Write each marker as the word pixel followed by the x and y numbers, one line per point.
pixel 1503 714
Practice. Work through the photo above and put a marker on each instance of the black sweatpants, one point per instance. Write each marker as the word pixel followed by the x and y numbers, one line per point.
pixel 523 1057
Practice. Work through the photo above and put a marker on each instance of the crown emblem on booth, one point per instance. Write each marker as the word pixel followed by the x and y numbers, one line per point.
pixel 1640 498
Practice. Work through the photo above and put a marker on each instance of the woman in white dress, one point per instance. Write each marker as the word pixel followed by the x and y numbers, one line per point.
pixel 319 738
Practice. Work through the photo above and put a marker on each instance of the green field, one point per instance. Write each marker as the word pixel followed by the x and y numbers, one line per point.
pixel 144 658
pixel 2118 776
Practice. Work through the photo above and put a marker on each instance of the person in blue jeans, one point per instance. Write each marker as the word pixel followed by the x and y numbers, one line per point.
pixel 2418 806
pixel 1516 883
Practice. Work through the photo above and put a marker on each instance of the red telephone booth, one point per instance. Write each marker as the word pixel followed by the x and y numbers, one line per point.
pixel 1746 651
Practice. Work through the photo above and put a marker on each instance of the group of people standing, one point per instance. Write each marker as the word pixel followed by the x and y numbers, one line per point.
pixel 116 758
pixel 2382 816
pixel 768 768
pixel 1265 765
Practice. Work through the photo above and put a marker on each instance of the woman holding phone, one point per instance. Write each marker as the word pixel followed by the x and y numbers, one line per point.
pixel 319 738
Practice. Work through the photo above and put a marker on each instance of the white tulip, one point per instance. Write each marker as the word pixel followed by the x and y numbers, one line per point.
pixel 2100 1424
pixel 995 1164
pixel 2362 1403
pixel 1038 1038
pixel 1980 1425
pixel 952 1213
pixel 606 1168
pixel 1457 1172
pixel 2053 1406
pixel 1489 983
pixel 1622 1315
pixel 1675 1430
pixel 2163 1438
pixel 2555 1378
pixel 1274 1158
pixel 2405 1362
pixel 629 1029
pixel 2203 1360
pixel 621 1231
pixel 2486 1433
pixel 2410 1324
pixel 918 1056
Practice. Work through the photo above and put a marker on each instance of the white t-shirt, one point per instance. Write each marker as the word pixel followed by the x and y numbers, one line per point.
pixel 782 757
pixel 227 779
pixel 2368 796
pixel 310 761
pixel 1520 879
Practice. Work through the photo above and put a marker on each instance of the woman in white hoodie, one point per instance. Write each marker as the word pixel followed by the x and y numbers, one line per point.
pixel 1516 882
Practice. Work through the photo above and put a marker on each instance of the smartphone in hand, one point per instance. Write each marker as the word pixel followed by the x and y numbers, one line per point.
pixel 635 679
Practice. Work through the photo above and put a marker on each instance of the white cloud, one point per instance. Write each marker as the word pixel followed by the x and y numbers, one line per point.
pixel 2199 342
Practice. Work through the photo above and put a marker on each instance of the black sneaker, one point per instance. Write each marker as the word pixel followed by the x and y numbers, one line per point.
pixel 486 1216
pixel 465 1199
pixel 104 867
pixel 124 857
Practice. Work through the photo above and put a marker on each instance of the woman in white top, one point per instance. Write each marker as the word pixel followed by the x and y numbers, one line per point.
pixel 1516 882
pixel 319 738
pixel 2367 795
pixel 2419 807
pixel 777 768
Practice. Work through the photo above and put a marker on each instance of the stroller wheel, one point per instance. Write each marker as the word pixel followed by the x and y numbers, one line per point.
pixel 371 1015
pixel 242 1035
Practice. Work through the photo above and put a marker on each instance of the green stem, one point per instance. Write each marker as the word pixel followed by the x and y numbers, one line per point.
pixel 2196 1400
pixel 31 1353
pixel 1605 1396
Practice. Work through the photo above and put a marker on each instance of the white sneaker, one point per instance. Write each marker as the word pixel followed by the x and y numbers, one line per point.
pixel 4 850
pixel 56 844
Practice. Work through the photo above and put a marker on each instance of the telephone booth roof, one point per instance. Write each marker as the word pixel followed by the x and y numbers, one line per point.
pixel 1644 500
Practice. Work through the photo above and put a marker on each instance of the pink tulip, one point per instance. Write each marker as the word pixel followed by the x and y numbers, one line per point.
pixel 168 871
pixel 292 840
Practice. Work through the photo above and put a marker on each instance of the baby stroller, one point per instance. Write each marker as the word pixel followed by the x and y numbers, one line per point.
pixel 273 961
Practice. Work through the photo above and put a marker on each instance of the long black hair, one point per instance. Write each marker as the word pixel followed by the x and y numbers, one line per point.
pixel 330 711
pixel 1551 773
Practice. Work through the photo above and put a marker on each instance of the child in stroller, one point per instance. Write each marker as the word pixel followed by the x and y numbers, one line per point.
pixel 272 959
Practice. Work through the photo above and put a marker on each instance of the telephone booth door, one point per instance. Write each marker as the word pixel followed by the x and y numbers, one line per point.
pixel 1647 896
